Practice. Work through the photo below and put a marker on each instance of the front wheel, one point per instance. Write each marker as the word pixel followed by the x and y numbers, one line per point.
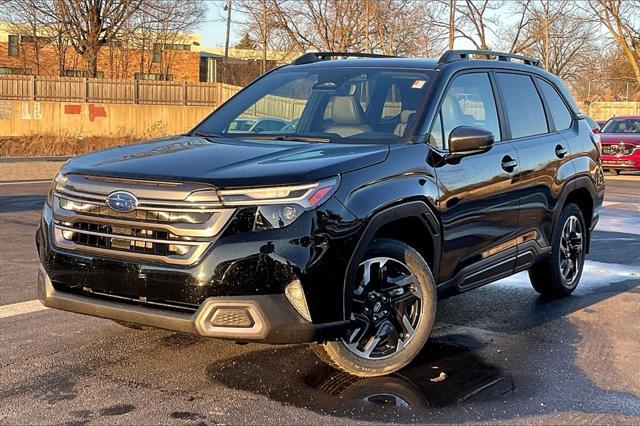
pixel 559 274
pixel 393 310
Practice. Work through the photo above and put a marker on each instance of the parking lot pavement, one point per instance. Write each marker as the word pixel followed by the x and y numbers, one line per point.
pixel 509 355
pixel 28 170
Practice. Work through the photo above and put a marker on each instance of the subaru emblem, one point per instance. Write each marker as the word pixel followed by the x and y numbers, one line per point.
pixel 122 201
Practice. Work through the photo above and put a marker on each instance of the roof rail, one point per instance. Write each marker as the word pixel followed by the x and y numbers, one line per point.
pixel 312 57
pixel 458 55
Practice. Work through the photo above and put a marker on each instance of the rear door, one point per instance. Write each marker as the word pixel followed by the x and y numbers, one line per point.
pixel 478 204
pixel 535 129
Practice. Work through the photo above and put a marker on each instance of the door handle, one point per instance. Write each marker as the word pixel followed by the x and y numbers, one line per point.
pixel 508 164
pixel 561 151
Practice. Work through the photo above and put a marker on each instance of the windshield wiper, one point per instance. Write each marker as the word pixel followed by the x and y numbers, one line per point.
pixel 302 138
pixel 205 135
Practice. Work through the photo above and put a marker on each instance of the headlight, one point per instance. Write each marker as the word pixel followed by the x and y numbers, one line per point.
pixel 306 196
pixel 58 182
pixel 280 206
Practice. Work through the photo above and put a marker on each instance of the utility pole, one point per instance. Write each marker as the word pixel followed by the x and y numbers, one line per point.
pixel 452 20
pixel 265 36
pixel 227 7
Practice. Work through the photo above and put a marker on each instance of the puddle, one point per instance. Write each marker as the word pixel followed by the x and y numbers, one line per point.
pixel 293 375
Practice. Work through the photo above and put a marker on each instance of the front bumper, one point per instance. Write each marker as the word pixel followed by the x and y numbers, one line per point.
pixel 626 162
pixel 272 318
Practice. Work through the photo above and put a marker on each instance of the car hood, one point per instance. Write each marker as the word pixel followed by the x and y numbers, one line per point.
pixel 628 138
pixel 228 162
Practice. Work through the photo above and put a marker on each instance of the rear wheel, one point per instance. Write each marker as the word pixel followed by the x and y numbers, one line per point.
pixel 393 309
pixel 614 172
pixel 559 274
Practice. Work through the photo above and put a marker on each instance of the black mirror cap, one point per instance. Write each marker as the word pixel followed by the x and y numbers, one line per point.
pixel 469 140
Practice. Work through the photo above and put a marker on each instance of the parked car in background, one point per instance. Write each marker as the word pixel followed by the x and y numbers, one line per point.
pixel 601 123
pixel 620 139
pixel 406 180
pixel 257 125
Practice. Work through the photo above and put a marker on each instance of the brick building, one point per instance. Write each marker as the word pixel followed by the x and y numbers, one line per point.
pixel 185 60
pixel 31 55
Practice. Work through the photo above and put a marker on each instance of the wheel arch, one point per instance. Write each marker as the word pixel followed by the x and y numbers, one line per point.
pixel 413 223
pixel 582 193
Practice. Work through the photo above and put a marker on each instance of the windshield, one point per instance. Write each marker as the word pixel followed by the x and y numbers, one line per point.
pixel 348 105
pixel 626 125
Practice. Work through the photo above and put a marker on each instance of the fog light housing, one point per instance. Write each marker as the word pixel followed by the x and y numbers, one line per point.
pixel 232 317
pixel 295 294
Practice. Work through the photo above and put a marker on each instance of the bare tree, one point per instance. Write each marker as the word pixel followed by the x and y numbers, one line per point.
pixel 622 19
pixel 382 26
pixel 160 27
pixel 261 22
pixel 558 32
pixel 23 20
pixel 475 21
pixel 91 24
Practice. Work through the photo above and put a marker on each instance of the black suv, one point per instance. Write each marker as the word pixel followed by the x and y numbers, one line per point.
pixel 386 184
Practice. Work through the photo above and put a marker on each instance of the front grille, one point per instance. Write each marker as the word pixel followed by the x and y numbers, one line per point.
pixel 156 216
pixel 133 239
pixel 171 223
pixel 618 149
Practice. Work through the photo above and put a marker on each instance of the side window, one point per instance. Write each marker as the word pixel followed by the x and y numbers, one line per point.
pixel 470 102
pixel 561 115
pixel 523 104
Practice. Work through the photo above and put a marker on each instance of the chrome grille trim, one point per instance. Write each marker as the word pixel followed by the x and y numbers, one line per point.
pixel 92 227
pixel 618 150
pixel 98 199
pixel 128 237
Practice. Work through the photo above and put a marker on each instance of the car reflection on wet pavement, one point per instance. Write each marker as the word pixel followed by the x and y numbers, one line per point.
pixel 324 389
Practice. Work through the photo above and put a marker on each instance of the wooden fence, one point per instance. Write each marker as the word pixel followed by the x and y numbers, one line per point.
pixel 73 89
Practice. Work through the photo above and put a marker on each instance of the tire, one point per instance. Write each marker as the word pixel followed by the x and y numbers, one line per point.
pixel 392 316
pixel 615 172
pixel 559 273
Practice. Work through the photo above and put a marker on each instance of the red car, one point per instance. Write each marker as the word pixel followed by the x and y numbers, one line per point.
pixel 620 138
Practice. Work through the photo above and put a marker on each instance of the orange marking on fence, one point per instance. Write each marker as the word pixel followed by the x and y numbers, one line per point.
pixel 96 111
pixel 72 109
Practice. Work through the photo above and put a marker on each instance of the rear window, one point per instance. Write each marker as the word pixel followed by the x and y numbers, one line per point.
pixel 523 105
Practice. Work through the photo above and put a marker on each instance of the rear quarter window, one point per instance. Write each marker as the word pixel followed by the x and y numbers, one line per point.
pixel 559 112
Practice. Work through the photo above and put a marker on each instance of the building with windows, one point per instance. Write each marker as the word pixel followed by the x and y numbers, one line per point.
pixel 42 55
pixel 180 59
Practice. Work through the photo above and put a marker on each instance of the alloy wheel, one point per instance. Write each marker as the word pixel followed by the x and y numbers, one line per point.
pixel 571 249
pixel 386 309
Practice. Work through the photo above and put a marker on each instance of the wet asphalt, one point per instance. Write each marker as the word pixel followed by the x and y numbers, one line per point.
pixel 509 355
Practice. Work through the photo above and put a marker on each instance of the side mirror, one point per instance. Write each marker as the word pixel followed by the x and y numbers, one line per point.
pixel 596 131
pixel 466 140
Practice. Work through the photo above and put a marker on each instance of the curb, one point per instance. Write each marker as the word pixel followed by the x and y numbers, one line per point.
pixel 30 159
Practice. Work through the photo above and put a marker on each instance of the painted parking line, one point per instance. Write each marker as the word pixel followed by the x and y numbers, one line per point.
pixel 14 309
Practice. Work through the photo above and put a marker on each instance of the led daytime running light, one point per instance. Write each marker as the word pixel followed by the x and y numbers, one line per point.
pixel 307 196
